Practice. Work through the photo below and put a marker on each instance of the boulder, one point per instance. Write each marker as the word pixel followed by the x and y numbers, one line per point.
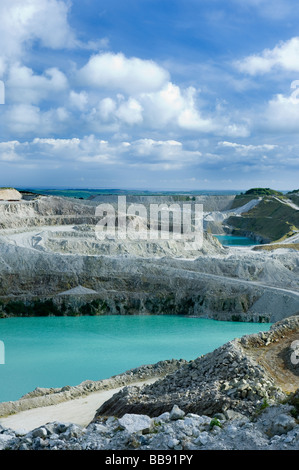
pixel 134 423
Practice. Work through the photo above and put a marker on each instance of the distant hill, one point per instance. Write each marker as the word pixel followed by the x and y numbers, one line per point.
pixel 263 192
pixel 254 193
pixel 272 219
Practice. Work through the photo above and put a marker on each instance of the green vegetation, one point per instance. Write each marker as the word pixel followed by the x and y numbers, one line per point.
pixel 253 193
pixel 264 405
pixel 215 422
pixel 155 428
pixel 270 219
pixel 242 199
pixel 263 192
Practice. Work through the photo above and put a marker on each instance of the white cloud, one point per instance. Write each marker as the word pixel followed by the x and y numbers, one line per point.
pixel 284 55
pixel 22 118
pixel 130 112
pixel 25 21
pixel 282 114
pixel 24 86
pixel 78 100
pixel 150 147
pixel 30 119
pixel 174 107
pixel 8 151
pixel 107 108
pixel 44 102
pixel 148 153
pixel 57 144
pixel 167 155
pixel 97 45
pixel 170 108
pixel 117 72
pixel 248 157
pixel 247 149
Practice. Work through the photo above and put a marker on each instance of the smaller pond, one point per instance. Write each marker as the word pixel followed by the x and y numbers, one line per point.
pixel 233 240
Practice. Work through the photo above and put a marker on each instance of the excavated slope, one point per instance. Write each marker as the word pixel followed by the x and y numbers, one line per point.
pixel 49 251
pixel 240 375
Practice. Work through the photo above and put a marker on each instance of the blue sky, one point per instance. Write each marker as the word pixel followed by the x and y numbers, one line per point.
pixel 150 94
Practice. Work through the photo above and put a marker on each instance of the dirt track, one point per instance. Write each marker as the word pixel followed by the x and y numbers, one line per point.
pixel 275 358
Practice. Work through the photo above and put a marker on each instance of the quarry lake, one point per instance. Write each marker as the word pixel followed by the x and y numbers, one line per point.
pixel 59 351
pixel 234 240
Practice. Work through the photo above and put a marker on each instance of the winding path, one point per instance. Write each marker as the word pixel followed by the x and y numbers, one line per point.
pixel 79 411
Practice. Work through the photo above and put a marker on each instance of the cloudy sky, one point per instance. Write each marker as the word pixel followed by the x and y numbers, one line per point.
pixel 149 94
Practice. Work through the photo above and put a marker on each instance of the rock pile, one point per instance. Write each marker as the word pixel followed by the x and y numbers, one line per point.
pixel 222 380
pixel 229 378
pixel 272 429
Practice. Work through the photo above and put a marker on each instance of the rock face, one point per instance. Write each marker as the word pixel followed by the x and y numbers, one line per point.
pixel 53 263
pixel 210 203
pixel 237 376
pixel 10 194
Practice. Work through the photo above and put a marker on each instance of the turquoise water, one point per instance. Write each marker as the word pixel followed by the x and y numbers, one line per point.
pixel 58 351
pixel 233 240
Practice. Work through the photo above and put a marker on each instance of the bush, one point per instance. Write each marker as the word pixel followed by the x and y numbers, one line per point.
pixel 215 422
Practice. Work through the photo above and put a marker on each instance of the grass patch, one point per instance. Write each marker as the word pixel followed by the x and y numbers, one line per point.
pixel 273 247
pixel 215 422
pixel 261 407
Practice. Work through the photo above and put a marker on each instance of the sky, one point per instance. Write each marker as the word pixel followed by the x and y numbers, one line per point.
pixel 149 94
